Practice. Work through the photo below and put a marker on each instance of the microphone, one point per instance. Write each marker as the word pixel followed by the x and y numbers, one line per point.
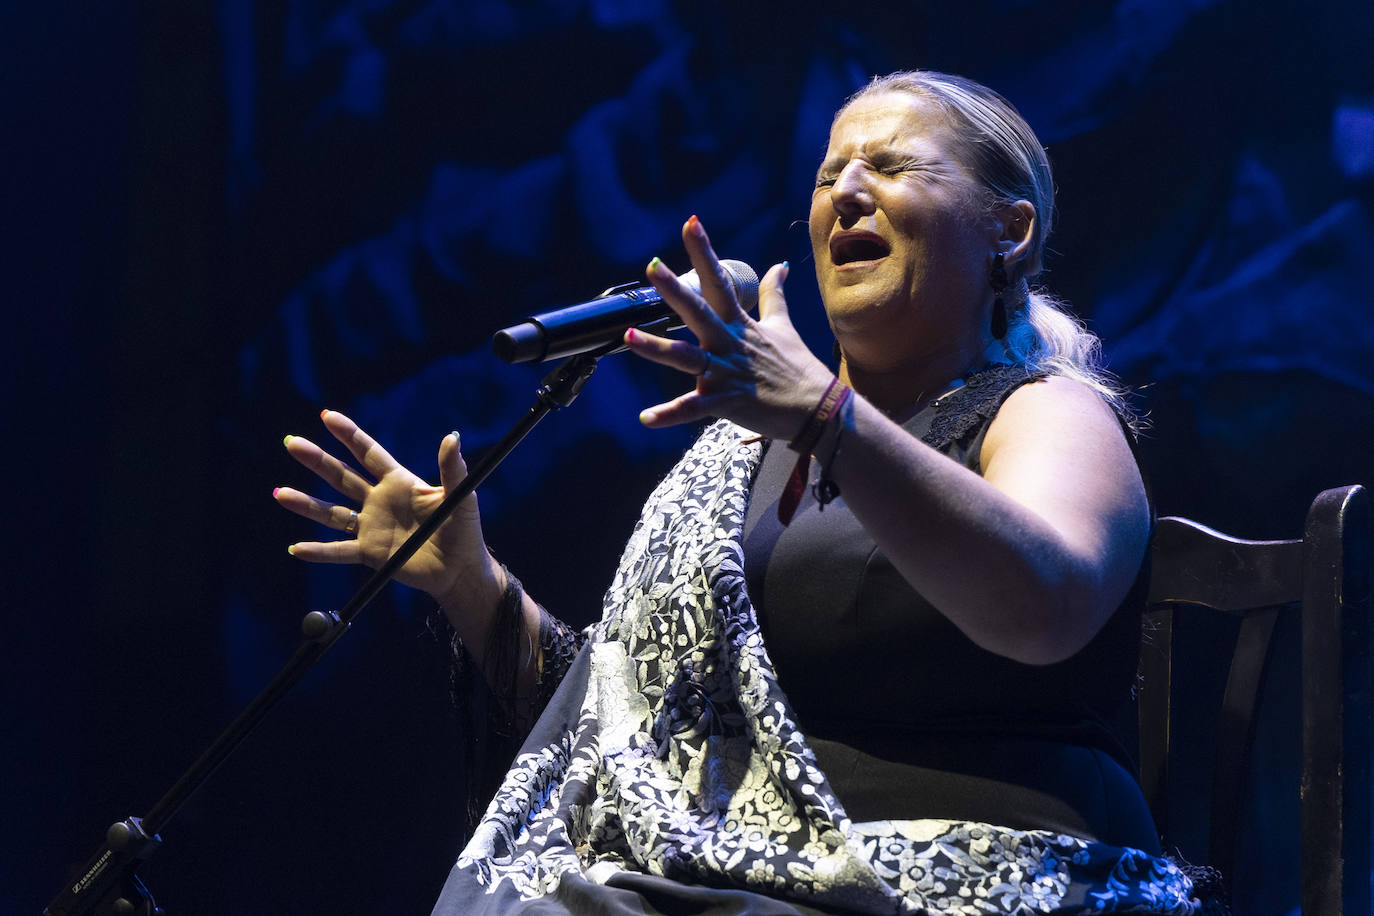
pixel 588 325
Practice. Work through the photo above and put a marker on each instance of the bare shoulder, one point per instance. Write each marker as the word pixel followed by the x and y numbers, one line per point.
pixel 1055 413
pixel 1059 448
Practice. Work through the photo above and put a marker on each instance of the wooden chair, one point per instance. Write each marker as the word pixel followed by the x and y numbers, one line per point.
pixel 1324 578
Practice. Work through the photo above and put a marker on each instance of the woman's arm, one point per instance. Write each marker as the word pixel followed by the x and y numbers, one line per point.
pixel 1027 560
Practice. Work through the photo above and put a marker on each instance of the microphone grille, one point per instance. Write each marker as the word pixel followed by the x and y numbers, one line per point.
pixel 746 283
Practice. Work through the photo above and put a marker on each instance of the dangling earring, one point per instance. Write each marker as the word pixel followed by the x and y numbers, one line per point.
pixel 997 277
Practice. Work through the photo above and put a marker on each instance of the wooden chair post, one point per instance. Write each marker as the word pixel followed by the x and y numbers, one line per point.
pixel 1336 705
pixel 1327 576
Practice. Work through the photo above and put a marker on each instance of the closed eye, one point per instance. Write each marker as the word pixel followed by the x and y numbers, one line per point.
pixel 828 180
pixel 898 168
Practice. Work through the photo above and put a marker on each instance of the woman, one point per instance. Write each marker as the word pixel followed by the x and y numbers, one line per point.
pixel 950 607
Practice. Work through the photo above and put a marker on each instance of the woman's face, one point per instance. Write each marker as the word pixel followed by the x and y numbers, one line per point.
pixel 902 243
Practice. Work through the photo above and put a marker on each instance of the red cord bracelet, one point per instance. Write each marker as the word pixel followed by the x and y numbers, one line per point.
pixel 837 394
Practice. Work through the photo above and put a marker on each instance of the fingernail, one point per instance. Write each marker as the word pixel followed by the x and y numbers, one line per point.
pixel 694 226
pixel 323 412
pixel 275 491
pixel 291 549
pixel 287 439
pixel 646 417
pixel 655 265
pixel 786 266
pixel 457 439
pixel 629 335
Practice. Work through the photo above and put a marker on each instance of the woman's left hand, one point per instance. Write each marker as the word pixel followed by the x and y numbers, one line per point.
pixel 757 373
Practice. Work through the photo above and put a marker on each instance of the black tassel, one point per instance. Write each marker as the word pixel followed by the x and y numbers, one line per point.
pixel 999 318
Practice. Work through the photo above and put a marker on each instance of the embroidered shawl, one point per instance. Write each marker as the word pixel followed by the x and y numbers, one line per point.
pixel 668 773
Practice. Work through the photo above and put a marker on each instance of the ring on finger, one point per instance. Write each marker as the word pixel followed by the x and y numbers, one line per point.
pixel 351 526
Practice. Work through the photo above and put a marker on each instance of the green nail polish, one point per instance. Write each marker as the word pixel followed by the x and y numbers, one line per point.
pixel 291 549
pixel 287 439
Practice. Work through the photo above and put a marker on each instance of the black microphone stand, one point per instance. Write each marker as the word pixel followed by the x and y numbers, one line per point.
pixel 108 884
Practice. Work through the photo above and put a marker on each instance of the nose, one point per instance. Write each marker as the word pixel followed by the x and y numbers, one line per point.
pixel 852 194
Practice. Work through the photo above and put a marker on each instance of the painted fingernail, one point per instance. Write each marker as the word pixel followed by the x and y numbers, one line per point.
pixel 629 335
pixel 457 439
pixel 275 491
pixel 655 265
pixel 694 226
pixel 323 413
pixel 646 417
pixel 287 439
pixel 291 549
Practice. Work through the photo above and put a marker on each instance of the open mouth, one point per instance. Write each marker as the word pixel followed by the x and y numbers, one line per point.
pixel 860 246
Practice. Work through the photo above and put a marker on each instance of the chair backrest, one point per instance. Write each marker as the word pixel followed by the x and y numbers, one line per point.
pixel 1325 579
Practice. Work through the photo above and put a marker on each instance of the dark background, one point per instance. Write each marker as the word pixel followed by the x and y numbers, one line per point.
pixel 220 218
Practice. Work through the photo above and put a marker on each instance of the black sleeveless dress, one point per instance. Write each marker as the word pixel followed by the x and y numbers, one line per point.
pixel 908 717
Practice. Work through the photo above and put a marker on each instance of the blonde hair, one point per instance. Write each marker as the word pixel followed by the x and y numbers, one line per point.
pixel 1003 155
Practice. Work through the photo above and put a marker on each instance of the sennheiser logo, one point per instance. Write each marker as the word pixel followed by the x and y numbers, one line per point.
pixel 95 869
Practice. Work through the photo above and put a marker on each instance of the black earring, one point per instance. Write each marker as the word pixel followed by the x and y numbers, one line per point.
pixel 997 277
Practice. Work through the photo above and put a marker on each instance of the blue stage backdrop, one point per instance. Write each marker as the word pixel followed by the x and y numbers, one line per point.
pixel 223 218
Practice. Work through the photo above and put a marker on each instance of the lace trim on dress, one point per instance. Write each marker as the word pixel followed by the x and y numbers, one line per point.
pixel 966 409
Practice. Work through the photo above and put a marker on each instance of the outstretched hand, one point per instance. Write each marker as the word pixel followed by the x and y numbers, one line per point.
pixel 391 502
pixel 758 373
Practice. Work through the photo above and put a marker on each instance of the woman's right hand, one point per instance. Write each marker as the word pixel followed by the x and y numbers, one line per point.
pixel 453 566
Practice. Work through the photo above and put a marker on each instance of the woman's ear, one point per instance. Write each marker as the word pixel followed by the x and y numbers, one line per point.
pixel 1017 237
